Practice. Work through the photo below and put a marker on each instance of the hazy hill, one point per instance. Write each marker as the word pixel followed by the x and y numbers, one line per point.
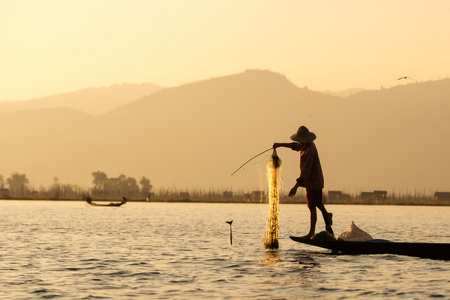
pixel 94 101
pixel 196 135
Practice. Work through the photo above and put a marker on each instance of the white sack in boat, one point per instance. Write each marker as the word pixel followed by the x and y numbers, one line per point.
pixel 355 234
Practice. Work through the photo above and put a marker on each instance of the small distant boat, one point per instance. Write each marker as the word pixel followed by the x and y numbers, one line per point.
pixel 112 204
pixel 424 250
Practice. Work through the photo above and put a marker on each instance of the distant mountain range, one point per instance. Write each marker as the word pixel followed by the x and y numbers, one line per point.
pixel 196 135
pixel 94 101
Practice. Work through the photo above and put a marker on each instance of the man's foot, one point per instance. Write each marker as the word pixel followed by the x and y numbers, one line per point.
pixel 308 236
pixel 329 229
pixel 329 219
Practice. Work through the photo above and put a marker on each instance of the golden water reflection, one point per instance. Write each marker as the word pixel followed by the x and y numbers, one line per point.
pixel 271 258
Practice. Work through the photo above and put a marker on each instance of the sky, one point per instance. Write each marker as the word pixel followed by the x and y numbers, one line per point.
pixel 52 46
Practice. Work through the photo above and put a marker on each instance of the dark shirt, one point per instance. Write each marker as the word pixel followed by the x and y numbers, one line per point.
pixel 311 176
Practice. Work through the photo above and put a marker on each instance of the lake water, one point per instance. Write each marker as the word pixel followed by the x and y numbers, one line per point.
pixel 66 250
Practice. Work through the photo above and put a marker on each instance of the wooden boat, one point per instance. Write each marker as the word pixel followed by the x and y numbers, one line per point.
pixel 424 250
pixel 112 204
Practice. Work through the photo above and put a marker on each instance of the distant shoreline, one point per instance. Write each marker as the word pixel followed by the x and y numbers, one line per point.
pixel 401 202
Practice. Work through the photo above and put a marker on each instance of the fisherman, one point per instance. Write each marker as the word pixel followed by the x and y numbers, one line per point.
pixel 311 176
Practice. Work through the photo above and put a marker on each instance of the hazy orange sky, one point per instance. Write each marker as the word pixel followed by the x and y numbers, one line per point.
pixel 53 46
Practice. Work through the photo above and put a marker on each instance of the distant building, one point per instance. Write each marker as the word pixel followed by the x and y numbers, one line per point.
pixel 439 196
pixel 380 195
pixel 366 195
pixel 337 195
pixel 375 195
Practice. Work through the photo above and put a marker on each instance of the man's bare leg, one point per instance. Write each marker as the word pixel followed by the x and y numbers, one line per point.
pixel 313 221
pixel 328 218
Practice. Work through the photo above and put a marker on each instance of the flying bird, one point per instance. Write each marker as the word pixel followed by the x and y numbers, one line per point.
pixel 403 78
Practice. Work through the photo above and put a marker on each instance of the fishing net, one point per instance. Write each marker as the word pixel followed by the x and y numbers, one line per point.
pixel 273 176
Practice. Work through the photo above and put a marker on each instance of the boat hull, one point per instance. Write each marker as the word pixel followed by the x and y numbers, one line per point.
pixel 112 204
pixel 106 205
pixel 425 250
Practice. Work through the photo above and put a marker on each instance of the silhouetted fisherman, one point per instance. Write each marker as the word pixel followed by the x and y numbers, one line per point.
pixel 311 176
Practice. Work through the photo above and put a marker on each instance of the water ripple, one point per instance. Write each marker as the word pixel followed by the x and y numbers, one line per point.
pixel 182 251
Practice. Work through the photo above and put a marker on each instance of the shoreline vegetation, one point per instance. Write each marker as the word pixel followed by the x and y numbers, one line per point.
pixel 226 197
pixel 112 189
